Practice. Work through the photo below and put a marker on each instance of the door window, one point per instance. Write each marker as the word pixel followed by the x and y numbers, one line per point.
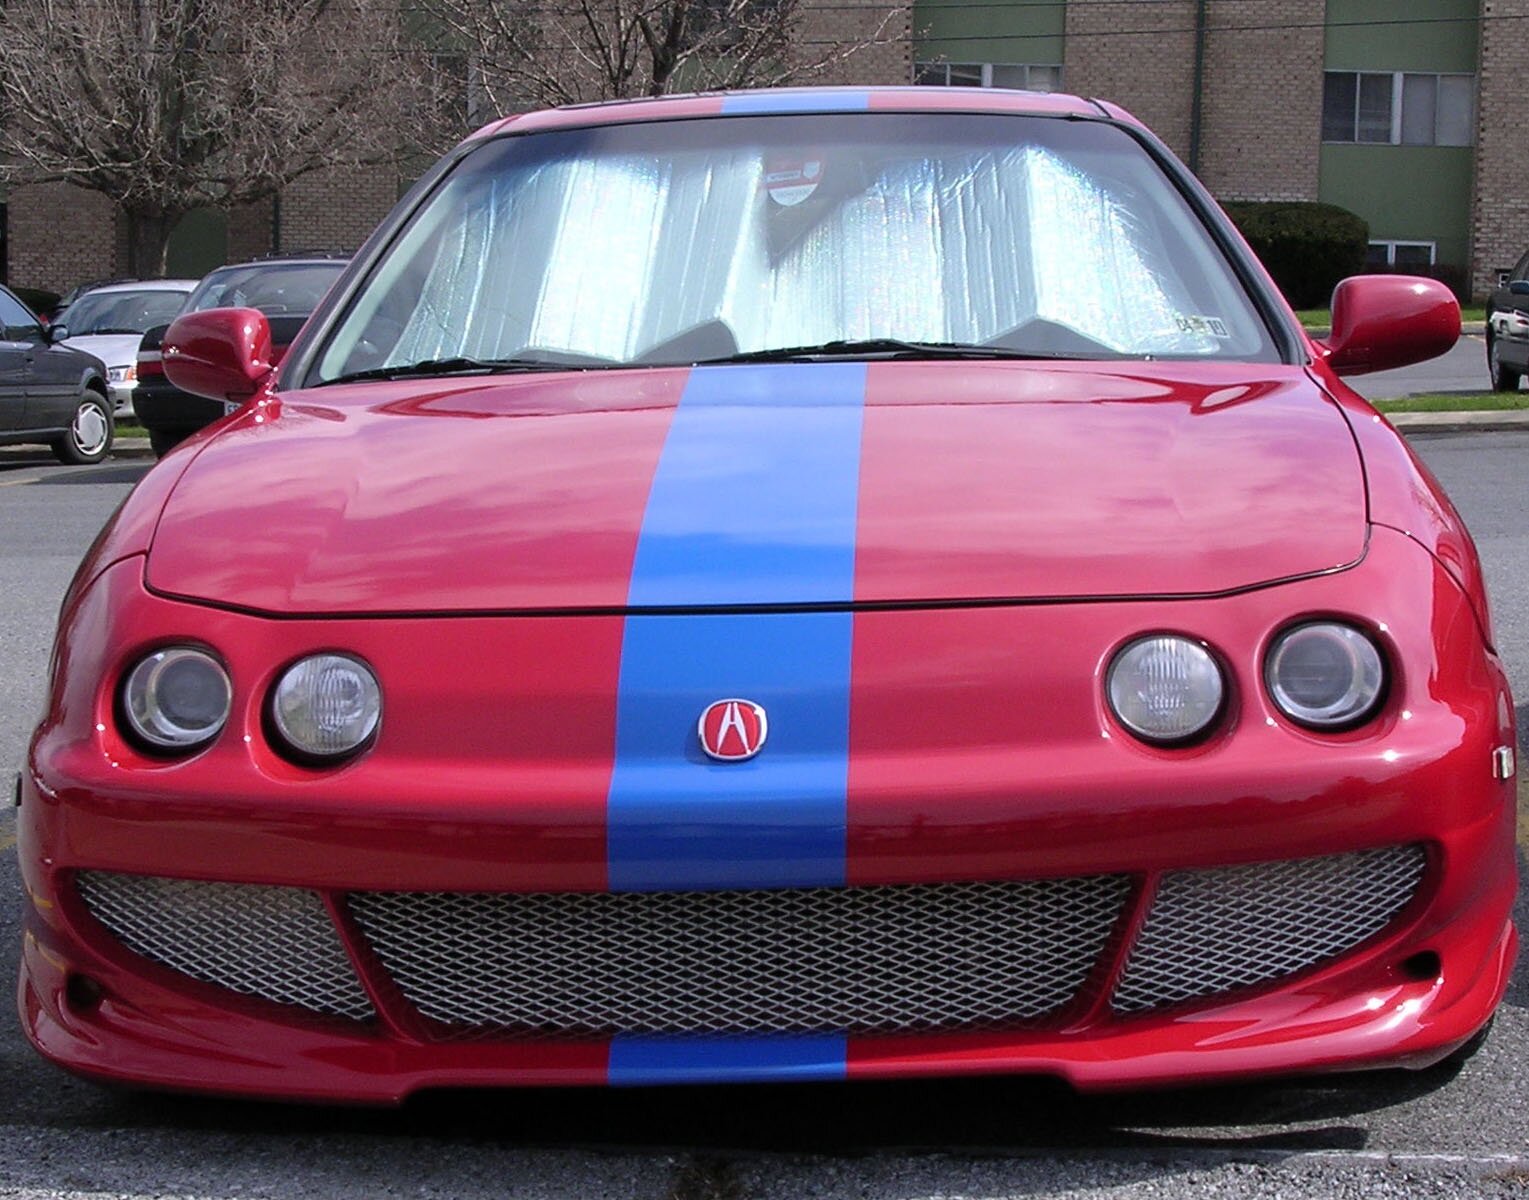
pixel 17 320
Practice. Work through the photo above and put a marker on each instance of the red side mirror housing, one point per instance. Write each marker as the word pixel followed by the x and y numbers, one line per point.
pixel 1386 321
pixel 221 353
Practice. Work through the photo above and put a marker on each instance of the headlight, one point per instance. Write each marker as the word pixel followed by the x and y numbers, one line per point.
pixel 176 698
pixel 1325 675
pixel 128 374
pixel 1165 688
pixel 326 707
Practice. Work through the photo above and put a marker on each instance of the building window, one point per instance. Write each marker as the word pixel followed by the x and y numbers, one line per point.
pixel 1400 256
pixel 1399 108
pixel 1025 77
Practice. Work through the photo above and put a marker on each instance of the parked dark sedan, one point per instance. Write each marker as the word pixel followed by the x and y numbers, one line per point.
pixel 50 393
pixel 1508 329
pixel 286 290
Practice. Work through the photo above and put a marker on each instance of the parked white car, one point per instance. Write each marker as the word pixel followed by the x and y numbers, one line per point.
pixel 109 322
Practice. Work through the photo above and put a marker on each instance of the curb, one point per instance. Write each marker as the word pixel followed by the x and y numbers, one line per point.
pixel 1458 422
pixel 131 447
pixel 1467 329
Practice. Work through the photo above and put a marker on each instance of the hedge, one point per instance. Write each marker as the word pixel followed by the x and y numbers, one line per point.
pixel 1307 247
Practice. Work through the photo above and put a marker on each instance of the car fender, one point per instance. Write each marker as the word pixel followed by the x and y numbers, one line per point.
pixel 1403 495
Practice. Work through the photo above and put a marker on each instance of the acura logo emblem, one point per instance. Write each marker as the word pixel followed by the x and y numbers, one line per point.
pixel 733 730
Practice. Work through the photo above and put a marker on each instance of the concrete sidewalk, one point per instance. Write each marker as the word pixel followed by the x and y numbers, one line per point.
pixel 1458 422
pixel 131 447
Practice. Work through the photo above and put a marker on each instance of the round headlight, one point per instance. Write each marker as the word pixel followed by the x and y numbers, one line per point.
pixel 1325 675
pixel 177 698
pixel 1165 689
pixel 326 706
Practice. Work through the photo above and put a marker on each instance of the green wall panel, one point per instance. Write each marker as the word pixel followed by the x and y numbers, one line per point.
pixel 1018 31
pixel 1364 35
pixel 198 243
pixel 1406 193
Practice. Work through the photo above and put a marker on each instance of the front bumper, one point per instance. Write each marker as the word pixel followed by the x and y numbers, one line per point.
pixel 144 1023
pixel 166 409
pixel 121 395
pixel 494 782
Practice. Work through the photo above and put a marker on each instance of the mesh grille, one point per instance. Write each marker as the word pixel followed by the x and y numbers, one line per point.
pixel 276 943
pixel 968 955
pixel 1212 931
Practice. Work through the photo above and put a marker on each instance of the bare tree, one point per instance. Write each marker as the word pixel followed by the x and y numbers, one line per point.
pixel 166 106
pixel 551 52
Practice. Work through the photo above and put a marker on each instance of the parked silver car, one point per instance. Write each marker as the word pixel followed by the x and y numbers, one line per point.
pixel 109 322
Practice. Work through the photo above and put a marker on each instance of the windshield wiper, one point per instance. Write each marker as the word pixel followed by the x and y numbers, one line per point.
pixel 881 348
pixel 428 367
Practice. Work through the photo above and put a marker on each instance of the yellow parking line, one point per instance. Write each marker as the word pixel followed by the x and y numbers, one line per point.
pixel 17 482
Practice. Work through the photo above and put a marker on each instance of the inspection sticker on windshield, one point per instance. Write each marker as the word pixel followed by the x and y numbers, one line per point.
pixel 1214 326
pixel 790 181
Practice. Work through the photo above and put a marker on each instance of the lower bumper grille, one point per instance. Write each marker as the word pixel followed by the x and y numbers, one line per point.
pixel 865 959
pixel 943 956
pixel 275 943
pixel 1216 931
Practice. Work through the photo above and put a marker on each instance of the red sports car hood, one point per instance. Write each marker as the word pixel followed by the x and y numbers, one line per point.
pixel 799 484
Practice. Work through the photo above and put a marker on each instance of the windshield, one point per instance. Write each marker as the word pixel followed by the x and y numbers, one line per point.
pixel 276 289
pixel 123 311
pixel 698 240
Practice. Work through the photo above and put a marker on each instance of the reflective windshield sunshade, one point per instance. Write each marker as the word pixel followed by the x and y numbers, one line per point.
pixel 748 234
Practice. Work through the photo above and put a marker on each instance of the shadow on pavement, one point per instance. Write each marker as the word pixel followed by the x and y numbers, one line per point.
pixel 103 473
pixel 999 1115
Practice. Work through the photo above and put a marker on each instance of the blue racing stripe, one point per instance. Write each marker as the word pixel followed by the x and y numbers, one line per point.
pixel 679 820
pixel 782 1058
pixel 754 500
pixel 753 103
pixel 757 489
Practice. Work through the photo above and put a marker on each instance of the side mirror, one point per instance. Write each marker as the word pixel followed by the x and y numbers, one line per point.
pixel 1385 321
pixel 54 334
pixel 1519 287
pixel 221 353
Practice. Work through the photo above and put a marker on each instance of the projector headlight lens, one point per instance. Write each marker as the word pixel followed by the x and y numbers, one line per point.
pixel 176 699
pixel 1325 675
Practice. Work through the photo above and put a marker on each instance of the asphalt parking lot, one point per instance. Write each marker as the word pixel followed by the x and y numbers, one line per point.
pixel 1443 1132
pixel 1463 369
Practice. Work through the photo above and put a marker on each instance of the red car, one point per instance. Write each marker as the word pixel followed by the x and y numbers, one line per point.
pixel 791 585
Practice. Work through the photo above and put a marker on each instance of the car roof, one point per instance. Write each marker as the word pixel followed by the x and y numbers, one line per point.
pixel 142 285
pixel 767 101
pixel 283 260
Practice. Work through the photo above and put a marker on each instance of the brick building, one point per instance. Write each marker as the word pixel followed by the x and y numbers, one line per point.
pixel 1400 110
pixel 58 235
